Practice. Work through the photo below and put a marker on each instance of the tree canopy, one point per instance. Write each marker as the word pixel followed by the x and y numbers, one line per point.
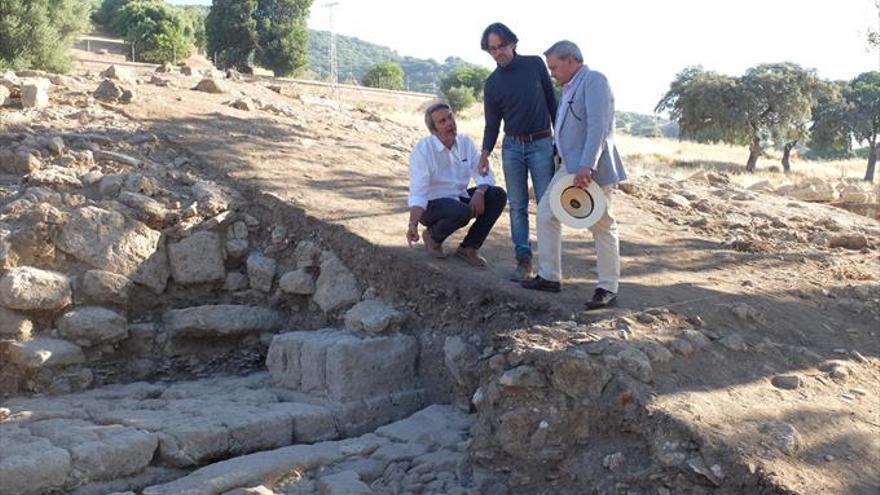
pixel 269 33
pixel 36 34
pixel 385 75
pixel 468 76
pixel 863 94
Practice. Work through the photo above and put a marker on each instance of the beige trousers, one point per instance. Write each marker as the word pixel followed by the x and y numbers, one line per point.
pixel 604 232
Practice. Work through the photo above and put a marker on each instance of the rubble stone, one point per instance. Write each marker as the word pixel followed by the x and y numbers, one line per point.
pixel 92 325
pixel 373 317
pixel 28 288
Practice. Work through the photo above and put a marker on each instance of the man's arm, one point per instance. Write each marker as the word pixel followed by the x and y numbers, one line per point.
pixel 549 93
pixel 492 113
pixel 599 108
pixel 412 229
pixel 482 178
pixel 419 180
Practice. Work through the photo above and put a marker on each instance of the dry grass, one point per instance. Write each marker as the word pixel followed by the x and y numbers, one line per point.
pixel 680 159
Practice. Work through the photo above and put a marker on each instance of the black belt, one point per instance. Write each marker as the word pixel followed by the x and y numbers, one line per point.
pixel 528 138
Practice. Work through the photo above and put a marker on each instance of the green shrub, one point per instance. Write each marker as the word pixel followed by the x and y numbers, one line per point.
pixel 36 34
pixel 460 97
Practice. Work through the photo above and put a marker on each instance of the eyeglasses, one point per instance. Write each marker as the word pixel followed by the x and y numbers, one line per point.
pixel 495 49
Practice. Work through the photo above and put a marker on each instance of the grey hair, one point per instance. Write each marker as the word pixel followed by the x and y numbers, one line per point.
pixel 564 49
pixel 429 120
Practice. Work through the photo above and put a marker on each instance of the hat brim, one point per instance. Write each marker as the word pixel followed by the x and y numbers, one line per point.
pixel 576 207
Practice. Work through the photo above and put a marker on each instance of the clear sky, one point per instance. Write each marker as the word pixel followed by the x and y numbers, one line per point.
pixel 639 45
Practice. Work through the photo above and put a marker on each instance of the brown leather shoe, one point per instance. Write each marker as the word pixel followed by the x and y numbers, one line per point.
pixel 471 257
pixel 434 248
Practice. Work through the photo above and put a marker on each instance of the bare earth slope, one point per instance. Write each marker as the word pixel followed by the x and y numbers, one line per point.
pixel 772 286
pixel 747 264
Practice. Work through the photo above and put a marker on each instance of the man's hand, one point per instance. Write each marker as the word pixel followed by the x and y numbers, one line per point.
pixel 478 203
pixel 483 167
pixel 583 177
pixel 412 233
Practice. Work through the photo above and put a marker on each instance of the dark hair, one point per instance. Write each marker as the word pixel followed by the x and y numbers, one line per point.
pixel 502 31
pixel 429 117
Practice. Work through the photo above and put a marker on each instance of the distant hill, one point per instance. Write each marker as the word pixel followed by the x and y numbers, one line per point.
pixel 355 57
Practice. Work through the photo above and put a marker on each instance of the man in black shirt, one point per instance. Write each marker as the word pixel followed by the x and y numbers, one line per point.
pixel 520 93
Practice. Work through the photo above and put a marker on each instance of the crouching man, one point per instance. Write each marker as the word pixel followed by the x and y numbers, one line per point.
pixel 440 169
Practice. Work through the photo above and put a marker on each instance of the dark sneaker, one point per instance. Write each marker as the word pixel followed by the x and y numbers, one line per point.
pixel 538 283
pixel 433 247
pixel 523 270
pixel 602 299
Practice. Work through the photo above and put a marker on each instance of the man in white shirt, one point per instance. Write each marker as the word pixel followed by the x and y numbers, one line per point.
pixel 440 169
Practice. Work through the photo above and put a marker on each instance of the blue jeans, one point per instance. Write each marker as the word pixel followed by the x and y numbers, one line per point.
pixel 518 161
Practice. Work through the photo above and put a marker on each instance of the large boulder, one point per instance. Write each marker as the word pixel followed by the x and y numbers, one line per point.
pixel 92 325
pixel 109 241
pixel 197 259
pixel 32 289
pixel 5 94
pixel 35 93
pixel 337 286
pixel 222 320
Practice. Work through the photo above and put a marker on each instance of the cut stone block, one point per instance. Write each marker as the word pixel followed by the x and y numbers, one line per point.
pixel 100 452
pixel 222 320
pixel 342 365
pixel 30 465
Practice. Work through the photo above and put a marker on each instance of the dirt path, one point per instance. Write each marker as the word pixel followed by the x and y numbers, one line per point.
pixel 740 263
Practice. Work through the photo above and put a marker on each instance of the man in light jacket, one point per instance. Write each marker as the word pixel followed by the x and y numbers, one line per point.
pixel 585 142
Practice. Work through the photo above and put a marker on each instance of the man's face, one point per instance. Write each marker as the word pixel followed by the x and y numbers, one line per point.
pixel 501 52
pixel 444 123
pixel 562 69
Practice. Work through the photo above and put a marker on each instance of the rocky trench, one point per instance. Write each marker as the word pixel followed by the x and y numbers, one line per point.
pixel 165 332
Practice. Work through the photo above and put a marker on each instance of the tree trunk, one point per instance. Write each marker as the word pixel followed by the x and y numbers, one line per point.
pixel 872 162
pixel 754 152
pixel 786 156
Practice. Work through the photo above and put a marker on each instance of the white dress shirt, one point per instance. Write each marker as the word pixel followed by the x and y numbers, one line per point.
pixel 436 172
